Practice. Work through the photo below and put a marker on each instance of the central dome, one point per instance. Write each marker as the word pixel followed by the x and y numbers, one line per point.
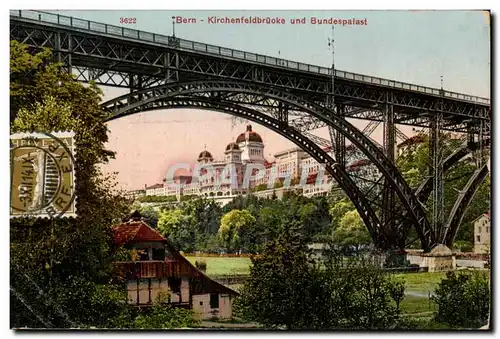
pixel 252 136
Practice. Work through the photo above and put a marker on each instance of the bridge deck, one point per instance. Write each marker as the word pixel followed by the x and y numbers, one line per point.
pixel 137 35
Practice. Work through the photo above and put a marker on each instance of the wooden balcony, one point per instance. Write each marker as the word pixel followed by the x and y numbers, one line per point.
pixel 152 269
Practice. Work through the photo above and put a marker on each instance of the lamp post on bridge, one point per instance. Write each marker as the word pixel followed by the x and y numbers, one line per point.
pixel 173 25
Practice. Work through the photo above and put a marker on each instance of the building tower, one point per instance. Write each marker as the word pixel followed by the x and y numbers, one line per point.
pixel 234 165
pixel 252 146
pixel 205 159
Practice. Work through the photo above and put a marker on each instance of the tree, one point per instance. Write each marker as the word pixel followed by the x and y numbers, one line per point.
pixel 178 227
pixel 237 230
pixel 150 215
pixel 351 231
pixel 57 266
pixel 283 290
pixel 313 214
pixel 288 289
pixel 195 221
pixel 338 209
pixel 463 299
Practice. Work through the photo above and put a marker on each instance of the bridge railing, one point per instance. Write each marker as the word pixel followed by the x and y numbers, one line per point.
pixel 227 52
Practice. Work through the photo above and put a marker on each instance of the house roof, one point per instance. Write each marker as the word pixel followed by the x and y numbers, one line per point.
pixel 486 215
pixel 134 229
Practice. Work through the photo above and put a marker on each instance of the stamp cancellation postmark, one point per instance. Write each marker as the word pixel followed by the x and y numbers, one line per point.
pixel 42 175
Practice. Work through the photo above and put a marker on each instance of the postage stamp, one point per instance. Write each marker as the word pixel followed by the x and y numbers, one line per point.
pixel 42 175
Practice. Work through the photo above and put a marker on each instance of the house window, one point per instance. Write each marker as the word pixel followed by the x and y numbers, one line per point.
pixel 487 229
pixel 214 301
pixel 479 230
pixel 158 254
pixel 201 303
pixel 478 238
pixel 175 284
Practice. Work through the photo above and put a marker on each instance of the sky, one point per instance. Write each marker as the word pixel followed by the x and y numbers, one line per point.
pixel 409 46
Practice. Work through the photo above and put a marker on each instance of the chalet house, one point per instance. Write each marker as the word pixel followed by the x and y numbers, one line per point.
pixel 155 267
pixel 482 233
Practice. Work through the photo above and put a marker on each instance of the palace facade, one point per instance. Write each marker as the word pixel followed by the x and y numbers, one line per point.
pixel 244 169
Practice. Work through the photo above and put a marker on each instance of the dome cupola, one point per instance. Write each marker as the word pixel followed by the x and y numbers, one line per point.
pixel 249 135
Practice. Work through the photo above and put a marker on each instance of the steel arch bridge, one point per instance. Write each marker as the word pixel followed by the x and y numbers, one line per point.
pixel 288 97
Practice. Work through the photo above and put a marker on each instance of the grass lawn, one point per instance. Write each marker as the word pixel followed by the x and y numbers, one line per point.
pixel 413 304
pixel 421 282
pixel 222 266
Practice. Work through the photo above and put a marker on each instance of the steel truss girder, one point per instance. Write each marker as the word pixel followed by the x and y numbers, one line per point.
pixel 156 98
pixel 463 201
pixel 388 198
pixel 160 63
pixel 425 188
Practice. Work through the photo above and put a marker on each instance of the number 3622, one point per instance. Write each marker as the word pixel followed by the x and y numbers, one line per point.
pixel 127 20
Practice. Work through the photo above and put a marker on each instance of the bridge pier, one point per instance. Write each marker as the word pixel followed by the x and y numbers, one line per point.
pixel 439 259
pixel 436 172
pixel 389 145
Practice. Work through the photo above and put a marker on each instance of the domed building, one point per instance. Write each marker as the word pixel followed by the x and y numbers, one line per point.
pixel 205 157
pixel 226 177
pixel 252 145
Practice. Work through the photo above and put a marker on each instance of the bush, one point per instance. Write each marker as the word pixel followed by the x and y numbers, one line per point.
pixel 463 299
pixel 288 289
pixel 463 246
pixel 201 265
pixel 420 323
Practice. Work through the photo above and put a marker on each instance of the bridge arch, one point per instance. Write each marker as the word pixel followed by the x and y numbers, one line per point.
pixel 269 106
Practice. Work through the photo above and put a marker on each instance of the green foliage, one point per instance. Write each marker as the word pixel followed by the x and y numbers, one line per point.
pixel 201 265
pixel 288 289
pixel 62 259
pixel 414 166
pixel 237 229
pixel 150 215
pixel 421 323
pixel 463 299
pixel 161 316
pixel 178 228
pixel 338 209
pixel 351 231
pixel 463 246
pixel 281 291
pixel 154 198
pixel 166 317
pixel 191 225
pixel 397 289
pixel 278 184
